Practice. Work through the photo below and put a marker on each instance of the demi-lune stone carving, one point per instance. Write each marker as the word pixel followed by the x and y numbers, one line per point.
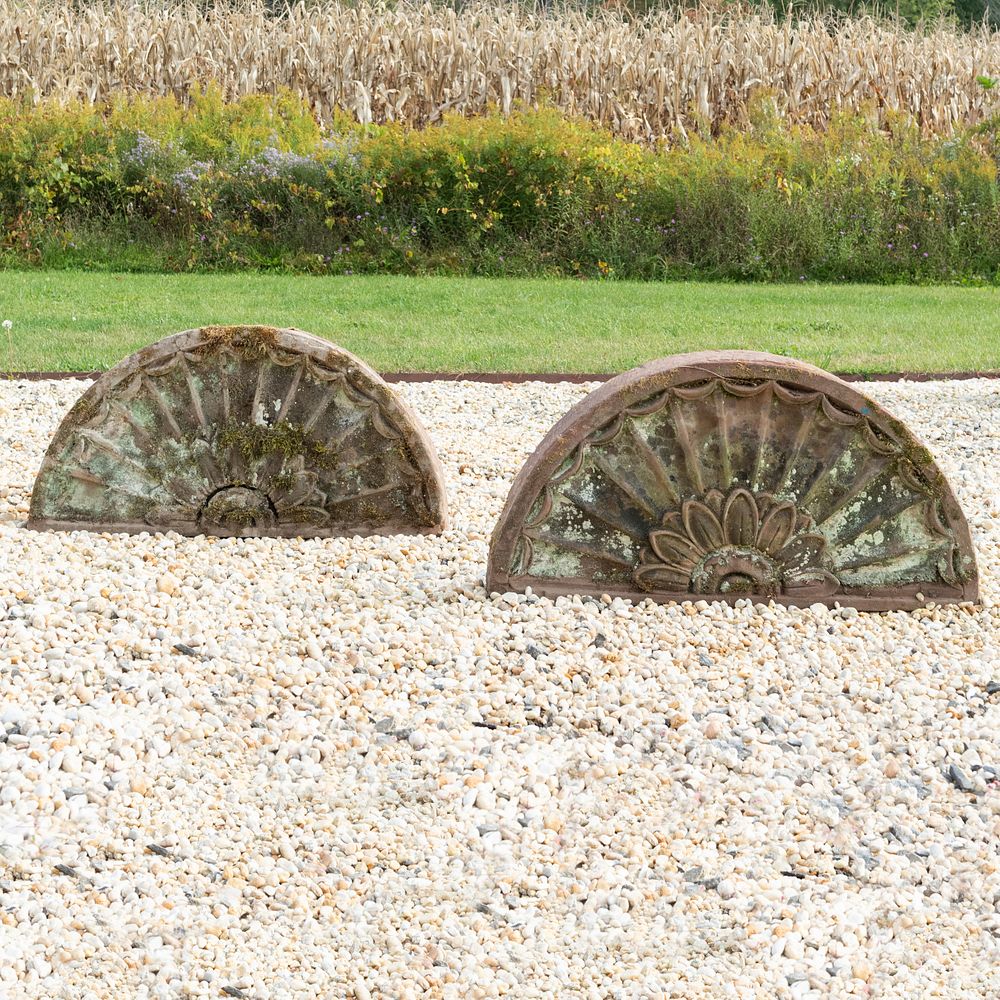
pixel 240 431
pixel 723 475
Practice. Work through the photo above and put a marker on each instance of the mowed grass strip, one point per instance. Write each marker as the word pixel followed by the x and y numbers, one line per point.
pixel 79 321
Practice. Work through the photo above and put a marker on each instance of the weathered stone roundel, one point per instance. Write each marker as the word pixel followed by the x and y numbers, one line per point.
pixel 242 430
pixel 723 475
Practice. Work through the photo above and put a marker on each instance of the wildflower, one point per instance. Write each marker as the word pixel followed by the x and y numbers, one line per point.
pixel 143 152
pixel 272 164
pixel 603 267
pixel 7 324
pixel 187 178
pixel 342 148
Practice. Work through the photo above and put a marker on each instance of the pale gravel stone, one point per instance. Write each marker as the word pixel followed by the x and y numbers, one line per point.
pixel 570 799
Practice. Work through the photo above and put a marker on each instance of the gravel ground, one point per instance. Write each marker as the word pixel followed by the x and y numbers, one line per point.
pixel 331 769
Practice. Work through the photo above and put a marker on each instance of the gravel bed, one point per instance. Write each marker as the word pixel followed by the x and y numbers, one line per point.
pixel 302 769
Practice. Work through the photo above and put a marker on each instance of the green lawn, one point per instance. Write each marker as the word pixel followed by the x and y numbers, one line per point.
pixel 78 321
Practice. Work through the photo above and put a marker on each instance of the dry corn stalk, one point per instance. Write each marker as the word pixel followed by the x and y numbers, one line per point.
pixel 413 62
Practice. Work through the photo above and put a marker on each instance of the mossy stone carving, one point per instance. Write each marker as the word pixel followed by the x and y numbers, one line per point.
pixel 240 430
pixel 723 475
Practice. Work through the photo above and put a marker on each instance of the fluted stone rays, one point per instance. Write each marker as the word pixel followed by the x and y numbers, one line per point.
pixel 243 431
pixel 733 474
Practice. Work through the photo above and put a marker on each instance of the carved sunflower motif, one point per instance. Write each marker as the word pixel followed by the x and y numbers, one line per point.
pixel 234 494
pixel 736 543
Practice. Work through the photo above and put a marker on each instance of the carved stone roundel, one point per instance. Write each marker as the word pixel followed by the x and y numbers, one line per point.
pixel 242 430
pixel 722 475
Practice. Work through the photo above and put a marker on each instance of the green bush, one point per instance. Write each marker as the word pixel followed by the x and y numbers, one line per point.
pixel 154 184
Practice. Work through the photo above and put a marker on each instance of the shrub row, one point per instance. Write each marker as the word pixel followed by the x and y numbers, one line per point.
pixel 151 184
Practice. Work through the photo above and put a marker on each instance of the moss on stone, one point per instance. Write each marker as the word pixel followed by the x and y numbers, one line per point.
pixel 252 342
pixel 283 482
pixel 256 442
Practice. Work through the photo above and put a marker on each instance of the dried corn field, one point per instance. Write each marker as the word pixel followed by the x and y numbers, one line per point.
pixel 413 63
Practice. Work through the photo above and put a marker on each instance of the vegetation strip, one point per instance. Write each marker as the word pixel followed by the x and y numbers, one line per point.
pixel 80 322
pixel 576 378
pixel 409 61
pixel 148 185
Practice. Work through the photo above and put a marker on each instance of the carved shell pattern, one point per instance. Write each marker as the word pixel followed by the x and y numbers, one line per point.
pixel 744 486
pixel 250 431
